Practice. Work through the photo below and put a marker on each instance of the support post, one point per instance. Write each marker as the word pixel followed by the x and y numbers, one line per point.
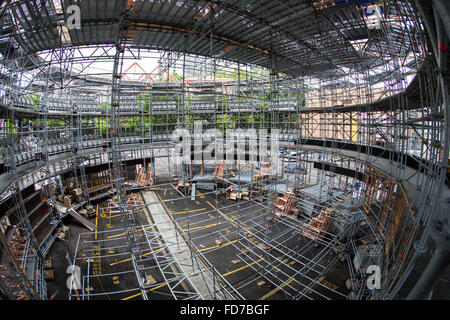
pixel 193 192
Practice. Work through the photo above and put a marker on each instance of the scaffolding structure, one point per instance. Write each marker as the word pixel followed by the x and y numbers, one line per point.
pixel 356 114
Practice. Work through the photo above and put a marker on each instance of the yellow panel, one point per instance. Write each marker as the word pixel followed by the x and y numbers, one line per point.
pixel 355 128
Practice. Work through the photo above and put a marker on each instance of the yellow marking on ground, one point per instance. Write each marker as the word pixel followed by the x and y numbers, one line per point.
pixel 329 284
pixel 120 214
pixel 276 290
pixel 200 194
pixel 239 269
pixel 96 222
pixel 96 263
pixel 181 212
pixel 117 262
pixel 202 227
pixel 129 259
pixel 140 293
pixel 167 200
pixel 220 245
pixel 224 216
pixel 117 215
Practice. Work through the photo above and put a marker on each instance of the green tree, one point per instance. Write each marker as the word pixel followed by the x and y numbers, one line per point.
pixel 34 97
pixel 105 106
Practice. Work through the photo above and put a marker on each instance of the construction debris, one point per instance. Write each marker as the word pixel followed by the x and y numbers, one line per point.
pixel 78 194
pixel 218 173
pixel 234 195
pixel 184 187
pixel 48 263
pixel 90 211
pixel 140 177
pixel 68 201
pixel 285 204
pixel 48 275
pixel 144 177
pixel 149 280
pixel 318 226
pixel 260 283
pixel 263 172
pixel 82 220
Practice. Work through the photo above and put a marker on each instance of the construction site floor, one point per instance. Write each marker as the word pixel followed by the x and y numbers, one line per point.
pixel 207 219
